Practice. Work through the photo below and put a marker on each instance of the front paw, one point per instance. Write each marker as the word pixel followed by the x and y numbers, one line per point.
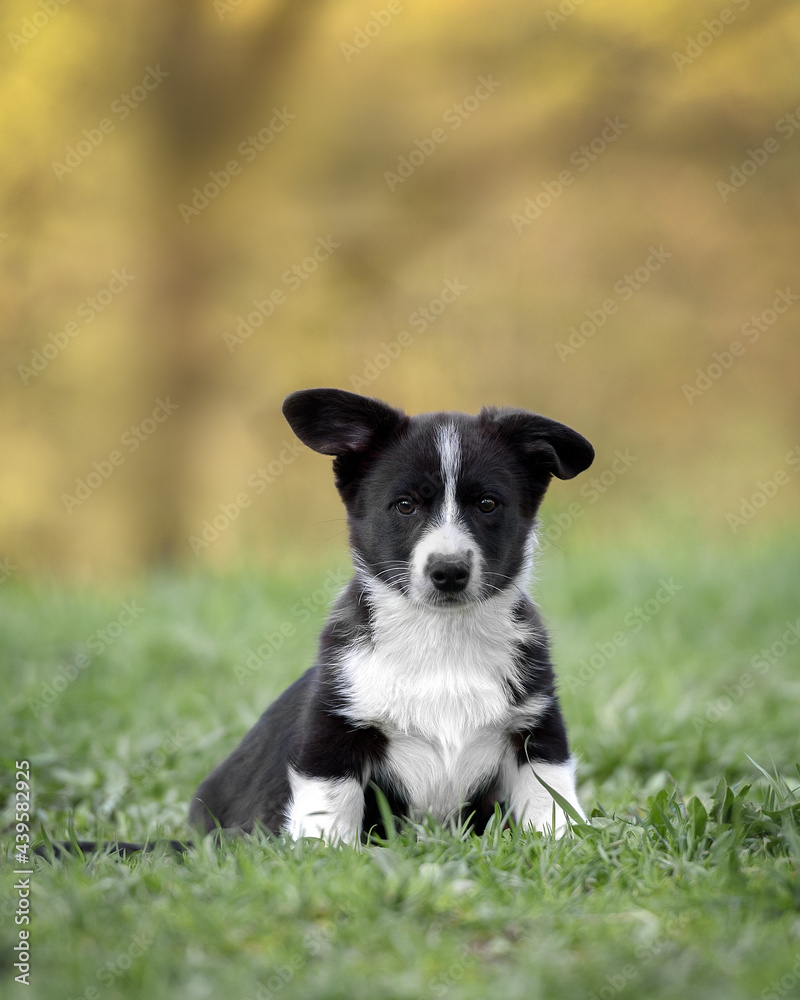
pixel 534 805
pixel 330 809
pixel 553 823
pixel 321 826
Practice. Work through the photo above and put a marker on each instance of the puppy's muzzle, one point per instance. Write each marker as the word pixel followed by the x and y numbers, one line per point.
pixel 449 575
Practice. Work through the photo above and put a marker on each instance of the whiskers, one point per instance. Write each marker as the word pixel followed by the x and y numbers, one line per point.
pixel 510 583
pixel 393 572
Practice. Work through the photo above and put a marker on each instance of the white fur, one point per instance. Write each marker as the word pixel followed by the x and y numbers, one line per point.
pixel 530 802
pixel 436 681
pixel 434 670
pixel 446 536
pixel 448 444
pixel 438 776
pixel 447 539
pixel 330 808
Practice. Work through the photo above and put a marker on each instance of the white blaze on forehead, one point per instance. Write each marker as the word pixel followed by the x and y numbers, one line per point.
pixel 448 444
pixel 447 535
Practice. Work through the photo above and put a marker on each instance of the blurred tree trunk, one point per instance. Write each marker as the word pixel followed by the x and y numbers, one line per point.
pixel 219 81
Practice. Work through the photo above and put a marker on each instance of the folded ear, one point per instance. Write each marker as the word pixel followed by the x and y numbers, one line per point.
pixel 336 422
pixel 554 447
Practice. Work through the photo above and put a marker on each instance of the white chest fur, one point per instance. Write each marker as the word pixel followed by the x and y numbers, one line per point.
pixel 438 683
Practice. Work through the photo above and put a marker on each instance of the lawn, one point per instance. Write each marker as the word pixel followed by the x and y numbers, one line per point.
pixel 678 656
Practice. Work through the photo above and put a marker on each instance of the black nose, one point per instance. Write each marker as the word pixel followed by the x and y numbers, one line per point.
pixel 449 575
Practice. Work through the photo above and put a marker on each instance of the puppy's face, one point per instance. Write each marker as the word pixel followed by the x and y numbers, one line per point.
pixel 441 506
pixel 445 513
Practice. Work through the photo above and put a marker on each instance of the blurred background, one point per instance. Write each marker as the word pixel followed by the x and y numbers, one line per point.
pixel 586 209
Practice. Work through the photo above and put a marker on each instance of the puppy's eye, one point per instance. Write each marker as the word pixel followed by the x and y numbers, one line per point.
pixel 405 506
pixel 487 505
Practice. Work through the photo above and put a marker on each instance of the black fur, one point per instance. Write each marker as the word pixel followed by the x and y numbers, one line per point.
pixel 379 455
pixel 382 455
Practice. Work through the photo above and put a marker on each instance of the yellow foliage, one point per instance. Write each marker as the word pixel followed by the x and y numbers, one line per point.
pixel 207 206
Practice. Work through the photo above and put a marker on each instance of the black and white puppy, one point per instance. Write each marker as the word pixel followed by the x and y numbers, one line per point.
pixel 433 680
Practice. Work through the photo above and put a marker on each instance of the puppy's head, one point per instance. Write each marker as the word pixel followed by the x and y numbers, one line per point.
pixel 441 506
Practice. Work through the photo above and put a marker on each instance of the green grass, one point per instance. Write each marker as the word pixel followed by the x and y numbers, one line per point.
pixel 683 884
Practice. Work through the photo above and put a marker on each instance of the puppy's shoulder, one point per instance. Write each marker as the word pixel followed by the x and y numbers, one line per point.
pixel 349 623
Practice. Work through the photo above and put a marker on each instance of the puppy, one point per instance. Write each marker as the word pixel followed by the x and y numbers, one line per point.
pixel 433 681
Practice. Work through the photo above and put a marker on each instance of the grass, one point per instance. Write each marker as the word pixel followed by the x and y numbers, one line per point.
pixel 684 883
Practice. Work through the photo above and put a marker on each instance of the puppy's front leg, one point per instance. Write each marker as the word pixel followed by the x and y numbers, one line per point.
pixel 328 769
pixel 542 752
pixel 330 808
pixel 532 805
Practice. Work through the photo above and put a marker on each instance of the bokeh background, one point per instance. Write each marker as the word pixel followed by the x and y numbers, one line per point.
pixel 627 171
